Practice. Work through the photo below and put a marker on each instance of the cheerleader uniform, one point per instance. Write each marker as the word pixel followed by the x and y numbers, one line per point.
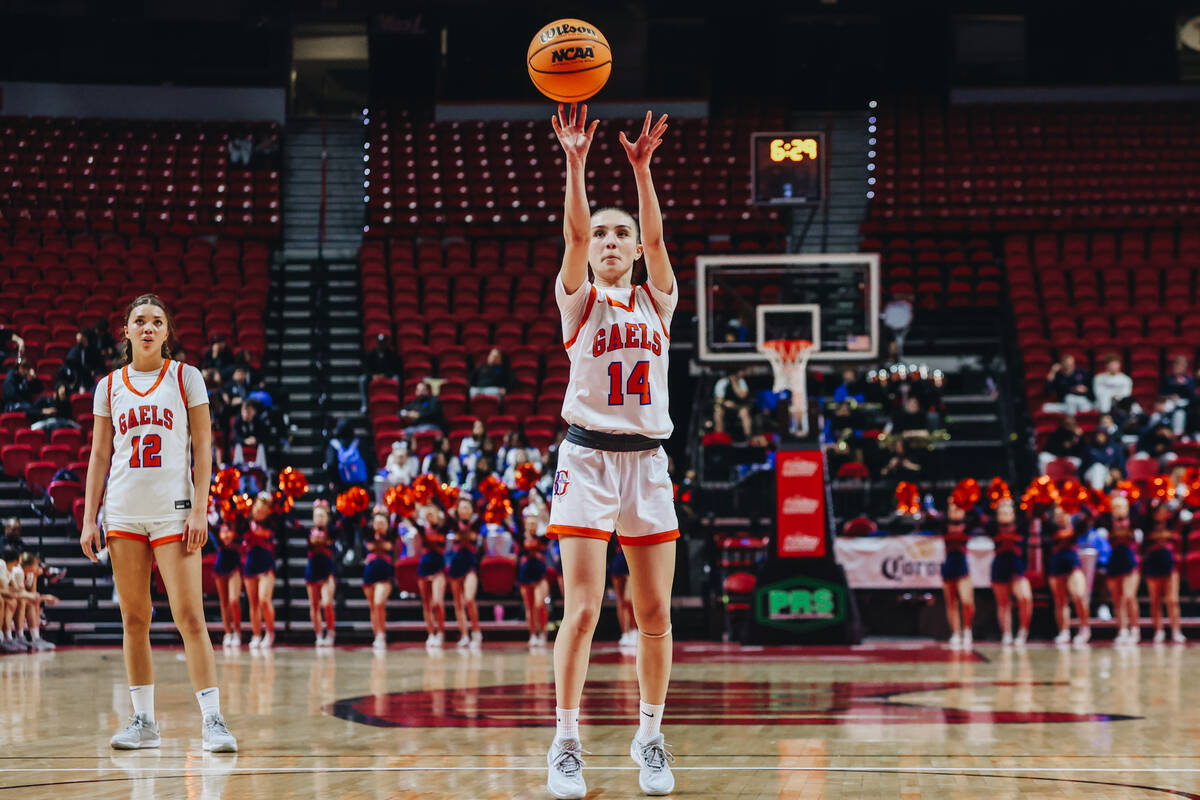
pixel 1159 559
pixel 433 559
pixel 229 558
pixel 320 556
pixel 378 567
pixel 955 536
pixel 1123 560
pixel 1009 561
pixel 464 558
pixel 260 550
pixel 532 568
pixel 1064 558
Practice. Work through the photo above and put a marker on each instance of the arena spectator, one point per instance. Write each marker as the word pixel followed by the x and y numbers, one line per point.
pixel 12 535
pixel 345 465
pixel 1069 386
pixel 106 343
pixel 471 444
pixel 482 469
pixel 910 419
pixel 239 387
pixel 449 465
pixel 401 468
pixel 33 569
pixel 901 467
pixel 83 364
pixel 423 412
pixel 1157 439
pixel 218 356
pixel 1179 381
pixel 380 361
pixel 9 336
pixel 1063 442
pixel 491 377
pixel 248 438
pixel 851 388
pixel 731 396
pixel 54 410
pixel 1111 385
pixel 1103 460
pixel 21 387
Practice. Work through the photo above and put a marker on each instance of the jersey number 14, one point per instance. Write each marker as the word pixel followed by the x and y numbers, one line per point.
pixel 637 384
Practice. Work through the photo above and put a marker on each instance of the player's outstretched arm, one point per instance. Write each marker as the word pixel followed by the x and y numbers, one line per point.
pixel 654 248
pixel 575 136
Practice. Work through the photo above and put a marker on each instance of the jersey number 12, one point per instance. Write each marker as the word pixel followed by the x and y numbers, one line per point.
pixel 638 383
pixel 147 455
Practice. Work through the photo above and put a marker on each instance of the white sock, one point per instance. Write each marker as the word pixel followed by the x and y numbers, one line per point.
pixel 210 701
pixel 568 723
pixel 649 718
pixel 36 632
pixel 143 700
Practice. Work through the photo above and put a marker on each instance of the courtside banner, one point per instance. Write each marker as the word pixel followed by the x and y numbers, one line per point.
pixel 912 561
pixel 800 497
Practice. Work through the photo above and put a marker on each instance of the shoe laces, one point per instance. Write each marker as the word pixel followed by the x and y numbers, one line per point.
pixel 215 724
pixel 656 755
pixel 137 722
pixel 569 760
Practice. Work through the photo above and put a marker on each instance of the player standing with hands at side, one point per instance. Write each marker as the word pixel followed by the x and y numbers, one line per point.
pixel 612 470
pixel 151 417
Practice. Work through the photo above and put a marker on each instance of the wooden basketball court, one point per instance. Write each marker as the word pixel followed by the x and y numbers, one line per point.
pixel 882 720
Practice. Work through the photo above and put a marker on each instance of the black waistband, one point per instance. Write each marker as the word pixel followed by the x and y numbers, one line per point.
pixel 613 442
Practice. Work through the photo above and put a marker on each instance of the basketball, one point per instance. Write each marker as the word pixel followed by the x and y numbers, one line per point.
pixel 569 60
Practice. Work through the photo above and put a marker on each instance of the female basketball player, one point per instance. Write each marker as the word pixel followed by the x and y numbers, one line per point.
pixel 151 418
pixel 259 569
pixel 1123 573
pixel 620 585
pixel 612 471
pixel 1161 567
pixel 463 570
pixel 1067 582
pixel 956 578
pixel 377 573
pixel 431 576
pixel 319 580
pixel 227 571
pixel 531 578
pixel 1008 574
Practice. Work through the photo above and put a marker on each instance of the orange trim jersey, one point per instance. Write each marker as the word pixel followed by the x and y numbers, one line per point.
pixel 617 340
pixel 150 475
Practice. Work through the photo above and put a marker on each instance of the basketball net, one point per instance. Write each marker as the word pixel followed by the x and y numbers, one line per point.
pixel 789 362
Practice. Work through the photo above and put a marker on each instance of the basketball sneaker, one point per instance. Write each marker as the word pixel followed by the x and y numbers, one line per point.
pixel 564 778
pixel 217 738
pixel 1160 636
pixel 268 639
pixel 41 645
pixel 655 776
pixel 255 642
pixel 330 636
pixel 955 642
pixel 140 733
pixel 463 642
pixel 225 642
pixel 1007 639
pixel 477 640
pixel 967 641
pixel 1179 638
pixel 1022 638
pixel 1064 636
pixel 1083 637
pixel 380 642
pixel 1135 634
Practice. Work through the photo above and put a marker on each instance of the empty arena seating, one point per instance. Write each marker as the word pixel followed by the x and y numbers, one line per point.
pixel 950 180
pixel 465 237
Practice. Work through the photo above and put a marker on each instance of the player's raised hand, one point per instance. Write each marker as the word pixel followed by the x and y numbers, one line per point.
pixel 574 134
pixel 89 540
pixel 641 148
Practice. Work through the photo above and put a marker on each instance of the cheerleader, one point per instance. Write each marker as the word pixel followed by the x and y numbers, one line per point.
pixel 1008 574
pixel 1123 576
pixel 531 577
pixel 431 576
pixel 463 570
pixel 319 580
pixel 956 578
pixel 377 573
pixel 259 570
pixel 1067 582
pixel 227 572
pixel 620 585
pixel 1161 569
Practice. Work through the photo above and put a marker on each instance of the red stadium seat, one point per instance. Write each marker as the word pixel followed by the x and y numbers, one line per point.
pixel 64 494
pixel 497 575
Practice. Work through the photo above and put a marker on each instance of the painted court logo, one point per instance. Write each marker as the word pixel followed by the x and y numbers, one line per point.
pixel 561 483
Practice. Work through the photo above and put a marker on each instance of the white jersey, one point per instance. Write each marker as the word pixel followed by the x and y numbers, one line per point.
pixel 150 477
pixel 617 340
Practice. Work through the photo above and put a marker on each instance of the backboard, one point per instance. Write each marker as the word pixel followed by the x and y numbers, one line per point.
pixel 831 299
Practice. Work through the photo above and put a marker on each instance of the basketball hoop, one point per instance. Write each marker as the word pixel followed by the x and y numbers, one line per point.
pixel 789 362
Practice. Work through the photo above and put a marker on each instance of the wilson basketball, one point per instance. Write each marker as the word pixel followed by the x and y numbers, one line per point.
pixel 569 60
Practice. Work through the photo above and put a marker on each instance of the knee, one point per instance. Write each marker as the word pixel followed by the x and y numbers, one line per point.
pixel 584 615
pixel 136 620
pixel 653 618
pixel 191 624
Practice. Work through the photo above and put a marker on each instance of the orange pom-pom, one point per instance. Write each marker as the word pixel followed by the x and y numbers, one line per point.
pixel 1072 495
pixel 966 494
pixel 425 488
pixel 498 510
pixel 399 500
pixel 225 483
pixel 527 475
pixel 1041 492
pixel 998 490
pixel 448 495
pixel 281 503
pixel 292 482
pixel 908 498
pixel 492 487
pixel 360 498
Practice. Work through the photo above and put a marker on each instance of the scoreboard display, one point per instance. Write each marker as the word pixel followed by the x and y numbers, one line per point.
pixel 787 169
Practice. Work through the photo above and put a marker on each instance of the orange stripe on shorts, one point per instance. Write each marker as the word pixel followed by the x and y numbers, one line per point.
pixel 557 531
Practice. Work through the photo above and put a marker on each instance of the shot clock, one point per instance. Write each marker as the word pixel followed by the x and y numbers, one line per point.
pixel 787 169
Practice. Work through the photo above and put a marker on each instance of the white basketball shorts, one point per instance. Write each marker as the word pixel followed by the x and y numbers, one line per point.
pixel 153 532
pixel 598 491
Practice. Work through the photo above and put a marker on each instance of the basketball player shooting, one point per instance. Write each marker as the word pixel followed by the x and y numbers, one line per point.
pixel 612 470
